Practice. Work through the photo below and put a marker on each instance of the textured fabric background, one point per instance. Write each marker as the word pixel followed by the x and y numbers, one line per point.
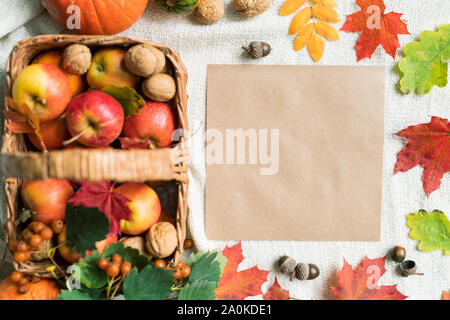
pixel 221 44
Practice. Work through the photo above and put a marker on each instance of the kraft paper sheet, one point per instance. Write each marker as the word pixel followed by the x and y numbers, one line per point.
pixel 319 178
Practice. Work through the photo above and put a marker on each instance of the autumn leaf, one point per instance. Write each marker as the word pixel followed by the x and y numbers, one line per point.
pixel 102 196
pixel 320 12
pixel 425 62
pixel 445 295
pixel 276 292
pixel 362 283
pixel 235 285
pixel 134 143
pixel 376 28
pixel 428 146
pixel 431 229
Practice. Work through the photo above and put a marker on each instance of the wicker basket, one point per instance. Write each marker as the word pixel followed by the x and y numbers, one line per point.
pixel 90 164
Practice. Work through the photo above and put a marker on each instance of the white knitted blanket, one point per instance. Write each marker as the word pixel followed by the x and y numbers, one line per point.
pixel 221 44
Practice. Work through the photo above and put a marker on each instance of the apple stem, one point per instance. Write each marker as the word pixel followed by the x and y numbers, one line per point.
pixel 74 138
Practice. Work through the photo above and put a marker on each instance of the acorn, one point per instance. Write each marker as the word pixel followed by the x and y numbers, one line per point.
pixel 302 271
pixel 257 49
pixel 287 265
pixel 408 268
pixel 398 254
pixel 314 271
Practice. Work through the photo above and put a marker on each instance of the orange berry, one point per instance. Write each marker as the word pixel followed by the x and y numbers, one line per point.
pixel 177 274
pixel 36 226
pixel 103 264
pixel 186 271
pixel 22 246
pixel 160 263
pixel 23 289
pixel 188 243
pixel 46 233
pixel 16 276
pixel 116 258
pixel 23 281
pixel 113 270
pixel 20 257
pixel 57 226
pixel 13 245
pixel 36 241
pixel 125 268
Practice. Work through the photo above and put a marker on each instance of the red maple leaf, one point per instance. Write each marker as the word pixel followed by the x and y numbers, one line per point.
pixel 445 295
pixel 428 146
pixel 362 283
pixel 102 196
pixel 276 292
pixel 377 28
pixel 235 285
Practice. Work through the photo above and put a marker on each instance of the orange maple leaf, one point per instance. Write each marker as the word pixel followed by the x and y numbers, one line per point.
pixel 445 295
pixel 428 146
pixel 235 285
pixel 362 283
pixel 276 292
pixel 377 28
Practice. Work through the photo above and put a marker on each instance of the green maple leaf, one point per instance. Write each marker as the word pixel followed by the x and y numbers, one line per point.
pixel 85 226
pixel 127 254
pixel 432 229
pixel 131 101
pixel 90 274
pixel 199 290
pixel 425 62
pixel 207 267
pixel 148 284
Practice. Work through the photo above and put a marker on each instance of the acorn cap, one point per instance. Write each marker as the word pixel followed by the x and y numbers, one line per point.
pixel 287 265
pixel 407 268
pixel 301 271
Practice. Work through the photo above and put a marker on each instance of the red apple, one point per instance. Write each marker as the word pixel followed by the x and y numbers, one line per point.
pixel 47 198
pixel 44 89
pixel 144 205
pixel 54 133
pixel 155 121
pixel 94 118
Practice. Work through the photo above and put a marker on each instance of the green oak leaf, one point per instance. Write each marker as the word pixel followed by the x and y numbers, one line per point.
pixel 206 268
pixel 199 290
pixel 432 229
pixel 85 226
pixel 128 254
pixel 131 101
pixel 89 273
pixel 425 62
pixel 193 258
pixel 148 284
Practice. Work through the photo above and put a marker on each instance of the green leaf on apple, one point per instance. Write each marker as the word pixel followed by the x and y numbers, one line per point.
pixel 131 101
pixel 88 272
pixel 128 254
pixel 148 284
pixel 207 267
pixel 85 226
pixel 199 290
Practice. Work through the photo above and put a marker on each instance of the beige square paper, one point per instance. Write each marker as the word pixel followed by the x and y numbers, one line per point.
pixel 319 177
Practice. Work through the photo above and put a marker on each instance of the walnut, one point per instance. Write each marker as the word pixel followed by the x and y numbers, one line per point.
pixel 137 243
pixel 161 240
pixel 160 60
pixel 140 60
pixel 77 59
pixel 251 8
pixel 159 87
pixel 209 11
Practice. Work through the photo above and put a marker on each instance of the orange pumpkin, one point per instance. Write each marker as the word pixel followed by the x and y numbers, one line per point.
pixel 42 290
pixel 100 17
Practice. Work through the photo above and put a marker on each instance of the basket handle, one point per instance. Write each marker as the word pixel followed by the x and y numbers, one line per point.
pixel 99 165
